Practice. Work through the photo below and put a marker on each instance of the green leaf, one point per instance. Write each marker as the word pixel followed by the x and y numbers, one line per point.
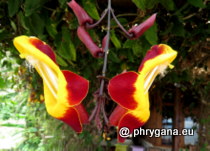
pixel 36 23
pixel 63 50
pixel 168 4
pixel 115 40
pixel 2 83
pixel 61 61
pixel 30 6
pixel 73 23
pixel 67 49
pixel 22 21
pixel 151 3
pixel 62 2
pixel 122 21
pixel 114 57
pixel 151 35
pixel 90 7
pixel 130 56
pixel 137 48
pixel 13 25
pixel 51 29
pixel 129 43
pixel 140 47
pixel 13 125
pixel 13 6
pixel 178 29
pixel 141 4
pixel 72 51
pixel 32 130
pixel 197 3
pixel 4 34
pixel 145 4
pixel 93 35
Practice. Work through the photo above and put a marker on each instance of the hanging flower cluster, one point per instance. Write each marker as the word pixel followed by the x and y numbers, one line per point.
pixel 64 90
pixel 85 21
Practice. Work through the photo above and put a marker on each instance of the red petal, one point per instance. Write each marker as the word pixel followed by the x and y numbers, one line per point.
pixel 137 31
pixel 43 47
pixel 121 89
pixel 88 42
pixel 117 115
pixel 82 113
pixel 81 14
pixel 77 87
pixel 131 122
pixel 152 53
pixel 71 118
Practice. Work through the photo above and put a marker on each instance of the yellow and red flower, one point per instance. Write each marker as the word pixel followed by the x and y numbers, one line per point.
pixel 63 90
pixel 130 89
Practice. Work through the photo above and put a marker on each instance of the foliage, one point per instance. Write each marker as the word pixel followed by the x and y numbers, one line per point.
pixel 11 84
pixel 184 25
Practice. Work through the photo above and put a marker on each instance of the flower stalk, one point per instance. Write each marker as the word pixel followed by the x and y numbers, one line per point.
pixel 86 23
pixel 100 104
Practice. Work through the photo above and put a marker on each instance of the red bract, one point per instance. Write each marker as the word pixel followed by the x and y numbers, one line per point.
pixel 81 14
pixel 88 42
pixel 137 31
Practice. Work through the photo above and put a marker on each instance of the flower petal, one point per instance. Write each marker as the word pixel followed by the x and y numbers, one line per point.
pixel 157 55
pixel 43 60
pixel 155 62
pixel 77 87
pixel 42 46
pixel 132 120
pixel 122 88
pixel 83 115
pixel 117 115
pixel 71 117
pixel 75 117
pixel 32 46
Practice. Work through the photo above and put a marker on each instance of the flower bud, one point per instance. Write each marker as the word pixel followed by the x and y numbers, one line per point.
pixel 137 31
pixel 81 14
pixel 88 42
